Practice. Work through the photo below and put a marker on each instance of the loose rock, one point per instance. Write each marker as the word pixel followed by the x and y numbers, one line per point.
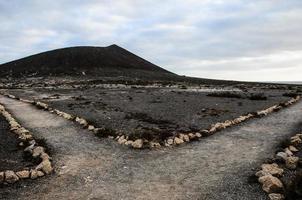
pixel 33 174
pixel 122 140
pixel 272 169
pixel 281 155
pixel 129 142
pixel 198 135
pixel 90 128
pixel 288 152
pixel 1 177
pixel 178 141
pixel 170 141
pixel 191 136
pixel 186 138
pixel 44 156
pixel 261 173
pixel 276 196
pixel 291 162
pixel 67 116
pixel 23 174
pixel 293 149
pixel 295 141
pixel 30 148
pixel 181 136
pixel 10 177
pixel 37 151
pixel 81 121
pixel 137 144
pixel 40 173
pixel 271 184
pixel 45 166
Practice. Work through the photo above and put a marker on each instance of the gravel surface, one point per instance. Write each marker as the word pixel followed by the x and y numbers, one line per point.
pixel 217 167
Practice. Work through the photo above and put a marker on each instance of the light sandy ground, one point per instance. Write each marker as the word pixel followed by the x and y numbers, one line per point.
pixel 87 167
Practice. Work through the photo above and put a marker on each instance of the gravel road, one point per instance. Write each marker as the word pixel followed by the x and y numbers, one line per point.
pixel 217 167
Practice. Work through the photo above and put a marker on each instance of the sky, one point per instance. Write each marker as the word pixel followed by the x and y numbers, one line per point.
pixel 259 40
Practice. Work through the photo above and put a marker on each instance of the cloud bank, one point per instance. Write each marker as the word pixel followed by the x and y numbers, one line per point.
pixel 232 39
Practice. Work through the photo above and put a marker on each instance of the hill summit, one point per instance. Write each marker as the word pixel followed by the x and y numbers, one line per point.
pixel 111 61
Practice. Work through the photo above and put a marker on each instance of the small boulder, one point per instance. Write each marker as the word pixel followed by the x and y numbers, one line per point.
pixel 91 128
pixel 137 144
pixel 293 149
pixel 26 137
pixel 170 141
pixel 67 116
pixel 186 138
pixel 281 155
pixel 33 174
pixel 21 131
pixel 191 136
pixel 220 126
pixel 122 140
pixel 299 135
pixel 44 156
pixel 271 184
pixel 291 162
pixel 250 115
pixel 42 105
pixel 129 142
pixel 198 135
pixel 181 136
pixel 276 196
pixel 81 121
pixel 37 151
pixel 178 141
pixel 228 123
pixel 45 166
pixel 11 177
pixel 1 177
pixel 261 173
pixel 236 121
pixel 296 140
pixel 40 173
pixel 272 169
pixel 23 174
pixel 212 129
pixel 30 148
pixel 288 152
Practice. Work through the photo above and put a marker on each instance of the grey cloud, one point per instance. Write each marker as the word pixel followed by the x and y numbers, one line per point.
pixel 210 38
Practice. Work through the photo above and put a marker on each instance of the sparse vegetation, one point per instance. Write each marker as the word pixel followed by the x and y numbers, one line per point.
pixel 257 96
pixel 290 94
pixel 226 94
pixel 183 87
pixel 105 132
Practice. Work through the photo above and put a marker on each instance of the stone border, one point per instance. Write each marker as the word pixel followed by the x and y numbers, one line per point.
pixel 269 174
pixel 29 144
pixel 177 140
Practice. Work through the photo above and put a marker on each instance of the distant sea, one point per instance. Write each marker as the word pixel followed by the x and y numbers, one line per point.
pixel 287 82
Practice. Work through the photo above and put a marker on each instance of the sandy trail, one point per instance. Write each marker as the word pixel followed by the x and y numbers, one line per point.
pixel 87 167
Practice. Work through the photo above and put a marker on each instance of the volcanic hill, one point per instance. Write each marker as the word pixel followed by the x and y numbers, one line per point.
pixel 111 61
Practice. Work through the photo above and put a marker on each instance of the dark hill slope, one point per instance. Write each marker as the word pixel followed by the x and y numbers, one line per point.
pixel 111 61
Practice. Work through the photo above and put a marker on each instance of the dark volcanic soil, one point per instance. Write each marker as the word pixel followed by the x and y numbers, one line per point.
pixel 11 157
pixel 151 113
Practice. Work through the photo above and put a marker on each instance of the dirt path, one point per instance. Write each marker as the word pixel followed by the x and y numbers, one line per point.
pixel 90 168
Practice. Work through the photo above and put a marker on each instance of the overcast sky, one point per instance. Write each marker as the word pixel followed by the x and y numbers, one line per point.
pixel 259 40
